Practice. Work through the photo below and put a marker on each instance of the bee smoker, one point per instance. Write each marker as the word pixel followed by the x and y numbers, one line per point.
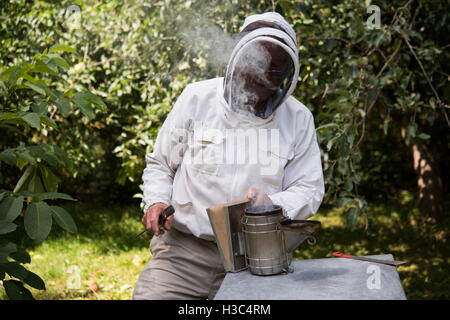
pixel 260 238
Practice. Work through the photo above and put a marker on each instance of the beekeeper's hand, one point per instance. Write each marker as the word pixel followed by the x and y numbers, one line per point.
pixel 258 197
pixel 151 218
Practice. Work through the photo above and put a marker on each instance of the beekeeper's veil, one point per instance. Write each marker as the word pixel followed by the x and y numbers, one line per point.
pixel 268 27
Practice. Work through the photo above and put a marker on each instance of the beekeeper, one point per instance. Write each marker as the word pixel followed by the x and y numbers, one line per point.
pixel 242 135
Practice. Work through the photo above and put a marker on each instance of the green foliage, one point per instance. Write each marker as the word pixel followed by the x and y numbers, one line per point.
pixel 352 77
pixel 29 101
pixel 364 86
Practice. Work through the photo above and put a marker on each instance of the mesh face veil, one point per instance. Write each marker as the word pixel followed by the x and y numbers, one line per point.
pixel 251 57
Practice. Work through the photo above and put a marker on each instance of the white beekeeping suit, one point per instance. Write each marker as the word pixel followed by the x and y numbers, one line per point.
pixel 210 150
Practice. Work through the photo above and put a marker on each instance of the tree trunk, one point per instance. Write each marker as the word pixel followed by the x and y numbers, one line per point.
pixel 429 182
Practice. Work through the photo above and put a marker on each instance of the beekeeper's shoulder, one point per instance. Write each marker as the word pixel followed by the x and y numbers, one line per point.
pixel 203 89
pixel 197 95
pixel 294 109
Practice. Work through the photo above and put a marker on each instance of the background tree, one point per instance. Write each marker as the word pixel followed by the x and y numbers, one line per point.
pixel 379 95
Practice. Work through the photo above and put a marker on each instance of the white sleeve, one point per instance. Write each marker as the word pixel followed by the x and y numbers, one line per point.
pixel 303 185
pixel 167 154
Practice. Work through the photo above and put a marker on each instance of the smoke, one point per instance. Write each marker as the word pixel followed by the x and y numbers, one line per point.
pixel 250 68
pixel 213 47
pixel 208 41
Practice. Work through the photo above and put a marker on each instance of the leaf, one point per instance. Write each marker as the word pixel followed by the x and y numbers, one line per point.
pixel 3 194
pixel 20 255
pixel 327 126
pixel 84 106
pixel 60 62
pixel 50 180
pixel 32 119
pixel 424 136
pixel 344 147
pixel 33 280
pixel 63 219
pixel 16 291
pixel 7 227
pixel 24 179
pixel 38 221
pixel 47 121
pixel 27 157
pixel 10 208
pixel 55 195
pixel 343 201
pixel 35 87
pixel 91 98
pixel 7 73
pixel 352 218
pixel 18 73
pixel 9 157
pixel 63 105
pixel 35 184
pixel 43 68
pixel 9 115
pixel 6 250
pixel 386 127
pixel 15 270
pixel 61 47
pixel 348 184
pixel 40 108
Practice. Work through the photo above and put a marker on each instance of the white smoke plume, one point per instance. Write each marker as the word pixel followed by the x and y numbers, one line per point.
pixel 254 61
pixel 208 41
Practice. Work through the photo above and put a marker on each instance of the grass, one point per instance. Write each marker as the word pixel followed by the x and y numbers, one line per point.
pixel 105 251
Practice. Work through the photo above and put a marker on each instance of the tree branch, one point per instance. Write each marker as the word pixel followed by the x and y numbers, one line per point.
pixel 405 37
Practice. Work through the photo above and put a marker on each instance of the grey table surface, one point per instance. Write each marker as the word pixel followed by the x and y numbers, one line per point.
pixel 318 279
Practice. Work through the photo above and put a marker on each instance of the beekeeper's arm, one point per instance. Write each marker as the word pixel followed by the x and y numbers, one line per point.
pixel 161 165
pixel 303 185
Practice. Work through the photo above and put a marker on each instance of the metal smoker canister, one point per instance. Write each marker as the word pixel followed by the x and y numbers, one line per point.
pixel 265 250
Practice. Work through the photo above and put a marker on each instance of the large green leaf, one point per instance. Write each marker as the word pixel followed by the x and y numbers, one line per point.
pixel 3 194
pixel 9 157
pixel 20 255
pixel 15 270
pixel 352 217
pixel 10 208
pixel 35 183
pixel 55 195
pixel 49 122
pixel 63 219
pixel 85 106
pixel 25 178
pixel 16 74
pixel 41 67
pixel 26 156
pixel 38 220
pixel 5 250
pixel 63 105
pixel 16 291
pixel 33 280
pixel 7 227
pixel 91 98
pixel 50 180
pixel 40 107
pixel 32 119
pixel 35 87
pixel 60 62
pixel 61 47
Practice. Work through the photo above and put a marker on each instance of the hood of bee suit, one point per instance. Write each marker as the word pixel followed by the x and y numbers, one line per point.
pixel 267 27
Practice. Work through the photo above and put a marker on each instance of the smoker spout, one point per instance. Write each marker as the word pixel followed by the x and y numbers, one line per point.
pixel 297 231
pixel 293 239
